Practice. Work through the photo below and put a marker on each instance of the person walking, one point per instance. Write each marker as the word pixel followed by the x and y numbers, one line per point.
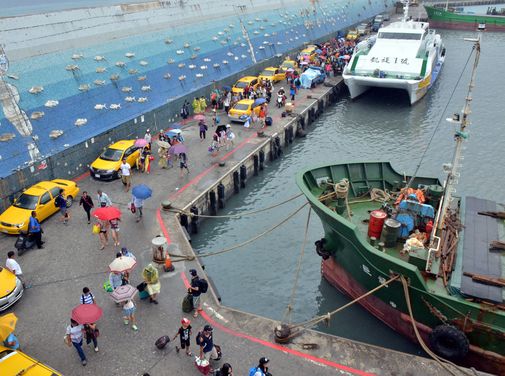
pixel 184 334
pixel 292 91
pixel 126 174
pixel 151 278
pixel 129 309
pixel 74 336
pixel 87 204
pixel 148 137
pixel 103 234
pixel 225 370
pixel 115 280
pixel 230 136
pixel 203 129
pixel 138 204
pixel 261 369
pixel 114 230
pixel 61 203
pixel 103 199
pixel 195 291
pixel 35 230
pixel 183 163
pixel 91 333
pixel 14 267
pixel 206 342
pixel 87 297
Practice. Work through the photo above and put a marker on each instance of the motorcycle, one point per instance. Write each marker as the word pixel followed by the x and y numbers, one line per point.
pixel 24 242
pixel 281 100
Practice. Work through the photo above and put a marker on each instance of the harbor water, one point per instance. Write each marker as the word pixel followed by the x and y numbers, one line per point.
pixel 381 125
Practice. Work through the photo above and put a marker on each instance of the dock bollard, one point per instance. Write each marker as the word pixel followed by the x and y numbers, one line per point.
pixel 282 333
pixel 256 164
pixel 220 196
pixel 212 204
pixel 194 220
pixel 236 182
pixel 243 176
pixel 262 159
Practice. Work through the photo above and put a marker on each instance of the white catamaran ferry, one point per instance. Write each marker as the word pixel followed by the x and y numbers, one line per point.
pixel 403 55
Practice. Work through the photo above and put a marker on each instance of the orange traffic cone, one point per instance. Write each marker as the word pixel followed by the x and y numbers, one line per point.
pixel 168 267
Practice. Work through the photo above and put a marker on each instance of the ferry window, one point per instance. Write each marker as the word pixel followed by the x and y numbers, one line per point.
pixel 409 36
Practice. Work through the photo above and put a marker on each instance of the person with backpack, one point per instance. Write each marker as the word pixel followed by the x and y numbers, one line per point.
pixel 184 334
pixel 61 203
pixel 261 369
pixel 205 340
pixel 87 297
pixel 198 286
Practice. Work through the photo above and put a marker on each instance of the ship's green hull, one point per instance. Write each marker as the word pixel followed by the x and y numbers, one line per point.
pixel 442 19
pixel 356 267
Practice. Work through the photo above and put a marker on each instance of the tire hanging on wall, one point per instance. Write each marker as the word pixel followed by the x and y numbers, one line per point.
pixel 449 342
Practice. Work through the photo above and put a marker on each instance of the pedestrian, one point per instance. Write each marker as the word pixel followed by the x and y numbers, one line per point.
pixel 126 174
pixel 114 229
pixel 183 163
pixel 12 342
pixel 227 102
pixel 261 369
pixel 148 137
pixel 292 91
pixel 115 280
pixel 74 337
pixel 129 314
pixel 103 199
pixel 127 253
pixel 61 203
pixel 151 278
pixel 184 334
pixel 14 267
pixel 203 129
pixel 137 205
pixel 184 110
pixel 230 136
pixel 87 204
pixel 87 297
pixel 225 370
pixel 203 104
pixel 103 234
pixel 35 230
pixel 91 332
pixel 195 291
pixel 206 342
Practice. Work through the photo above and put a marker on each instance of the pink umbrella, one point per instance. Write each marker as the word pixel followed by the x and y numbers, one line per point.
pixel 87 313
pixel 347 57
pixel 140 143
pixel 199 117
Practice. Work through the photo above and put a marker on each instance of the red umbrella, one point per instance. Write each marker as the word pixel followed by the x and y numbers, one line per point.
pixel 107 213
pixel 86 313
pixel 199 117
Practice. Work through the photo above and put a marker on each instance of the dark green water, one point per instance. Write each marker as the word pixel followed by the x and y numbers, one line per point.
pixel 379 126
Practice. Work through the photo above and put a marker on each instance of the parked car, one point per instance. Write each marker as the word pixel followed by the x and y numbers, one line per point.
pixel 376 26
pixel 239 86
pixel 386 17
pixel 11 291
pixel 242 110
pixel 288 64
pixel 312 76
pixel 378 18
pixel 107 165
pixel 352 34
pixel 363 29
pixel 39 198
pixel 272 74
pixel 15 362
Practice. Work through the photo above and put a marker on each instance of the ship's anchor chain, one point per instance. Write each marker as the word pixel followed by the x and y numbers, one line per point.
pixel 285 332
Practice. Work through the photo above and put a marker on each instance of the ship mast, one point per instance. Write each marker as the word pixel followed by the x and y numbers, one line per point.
pixel 405 10
pixel 459 137
pixel 246 36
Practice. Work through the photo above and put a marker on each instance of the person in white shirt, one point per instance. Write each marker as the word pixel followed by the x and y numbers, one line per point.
pixel 138 203
pixel 148 137
pixel 14 267
pixel 103 199
pixel 74 336
pixel 126 174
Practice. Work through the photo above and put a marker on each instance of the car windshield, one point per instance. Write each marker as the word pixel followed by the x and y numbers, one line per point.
pixel 241 84
pixel 28 202
pixel 111 155
pixel 288 64
pixel 267 73
pixel 241 107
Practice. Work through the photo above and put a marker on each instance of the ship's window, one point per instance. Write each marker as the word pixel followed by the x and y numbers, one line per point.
pixel 408 36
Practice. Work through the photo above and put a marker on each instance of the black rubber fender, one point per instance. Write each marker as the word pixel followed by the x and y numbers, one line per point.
pixel 301 121
pixel 449 342
pixel 262 159
pixel 312 115
pixel 236 182
pixel 256 164
pixel 212 203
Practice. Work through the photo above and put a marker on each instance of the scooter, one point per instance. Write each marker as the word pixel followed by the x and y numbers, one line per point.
pixel 281 100
pixel 24 242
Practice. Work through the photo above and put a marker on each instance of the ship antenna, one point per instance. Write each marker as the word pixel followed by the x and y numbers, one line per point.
pixel 459 137
pixel 405 10
pixel 244 31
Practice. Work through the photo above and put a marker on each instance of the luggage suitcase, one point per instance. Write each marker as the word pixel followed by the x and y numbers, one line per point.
pixel 162 342
pixel 268 121
pixel 143 295
pixel 187 303
pixel 202 365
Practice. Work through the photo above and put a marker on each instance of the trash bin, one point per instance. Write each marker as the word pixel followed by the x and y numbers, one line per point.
pixel 159 247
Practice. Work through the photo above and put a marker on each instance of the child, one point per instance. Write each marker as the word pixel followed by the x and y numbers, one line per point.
pixel 184 332
pixel 129 314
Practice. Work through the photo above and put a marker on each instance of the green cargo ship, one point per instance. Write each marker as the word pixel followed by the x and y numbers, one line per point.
pixel 379 224
pixel 444 19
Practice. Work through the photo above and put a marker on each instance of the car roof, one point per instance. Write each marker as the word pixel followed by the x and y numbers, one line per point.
pixel 245 101
pixel 247 79
pixel 270 68
pixel 122 144
pixel 39 188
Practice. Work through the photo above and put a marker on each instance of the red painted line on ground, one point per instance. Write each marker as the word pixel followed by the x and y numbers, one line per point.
pixel 162 225
pixel 81 177
pixel 276 346
pixel 239 146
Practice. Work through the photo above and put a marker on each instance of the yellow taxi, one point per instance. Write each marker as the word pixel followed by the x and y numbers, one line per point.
pixel 288 64
pixel 310 51
pixel 352 34
pixel 39 198
pixel 272 74
pixel 11 291
pixel 239 86
pixel 106 166
pixel 15 362
pixel 242 110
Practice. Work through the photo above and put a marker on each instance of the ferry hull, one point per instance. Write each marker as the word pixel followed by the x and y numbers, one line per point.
pixel 440 18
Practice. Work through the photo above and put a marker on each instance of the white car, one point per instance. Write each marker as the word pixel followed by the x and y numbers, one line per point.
pixel 11 288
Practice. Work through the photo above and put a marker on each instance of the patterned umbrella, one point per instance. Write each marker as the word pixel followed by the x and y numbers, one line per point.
pixel 86 313
pixel 122 264
pixel 7 325
pixel 178 149
pixel 123 293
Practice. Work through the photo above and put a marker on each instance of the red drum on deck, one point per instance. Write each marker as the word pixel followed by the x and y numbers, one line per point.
pixel 377 218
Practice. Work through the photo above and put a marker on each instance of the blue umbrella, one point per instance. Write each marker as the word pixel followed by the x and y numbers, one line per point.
pixel 142 191
pixel 259 102
pixel 318 51
pixel 227 88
